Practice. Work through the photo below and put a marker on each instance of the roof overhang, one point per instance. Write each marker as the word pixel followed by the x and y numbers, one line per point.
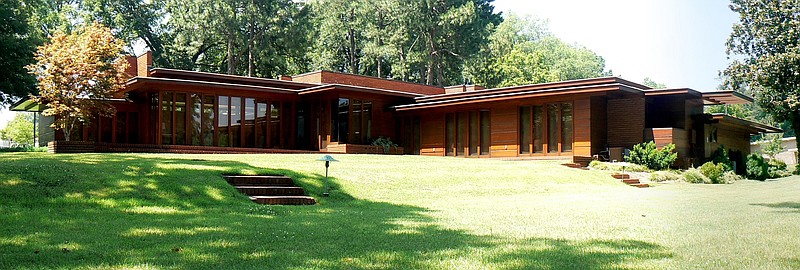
pixel 226 78
pixel 26 105
pixel 139 83
pixel 330 87
pixel 504 96
pixel 672 91
pixel 725 97
pixel 749 126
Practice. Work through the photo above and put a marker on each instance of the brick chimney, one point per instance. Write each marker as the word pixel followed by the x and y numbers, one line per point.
pixel 143 64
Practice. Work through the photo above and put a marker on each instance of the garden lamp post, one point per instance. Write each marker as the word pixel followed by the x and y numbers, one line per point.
pixel 328 159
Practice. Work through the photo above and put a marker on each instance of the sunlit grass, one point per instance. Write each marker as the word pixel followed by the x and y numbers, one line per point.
pixel 152 211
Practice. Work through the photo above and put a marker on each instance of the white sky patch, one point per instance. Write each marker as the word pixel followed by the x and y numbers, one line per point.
pixel 5 117
pixel 680 43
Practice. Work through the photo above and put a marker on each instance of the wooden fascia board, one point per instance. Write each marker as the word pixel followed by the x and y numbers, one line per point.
pixel 510 96
pixel 728 120
pixel 511 89
pixel 330 87
pixel 167 72
pixel 137 83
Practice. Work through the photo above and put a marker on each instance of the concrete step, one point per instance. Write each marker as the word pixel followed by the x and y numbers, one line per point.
pixel 641 185
pixel 284 200
pixel 259 180
pixel 271 190
pixel 631 181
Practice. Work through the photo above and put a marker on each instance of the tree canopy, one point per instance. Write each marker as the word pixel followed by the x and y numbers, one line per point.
pixel 765 44
pixel 19 129
pixel 17 44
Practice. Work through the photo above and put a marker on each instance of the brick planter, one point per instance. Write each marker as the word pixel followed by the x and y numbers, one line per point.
pixel 59 147
pixel 362 149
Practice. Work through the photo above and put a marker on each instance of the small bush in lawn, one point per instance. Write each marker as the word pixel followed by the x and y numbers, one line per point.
pixel 720 156
pixel 777 169
pixel 729 177
pixel 610 166
pixel 756 167
pixel 693 175
pixel 648 155
pixel 713 171
pixel 661 176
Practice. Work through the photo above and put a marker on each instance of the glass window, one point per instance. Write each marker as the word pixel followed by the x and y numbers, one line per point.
pixel 224 117
pixel 538 129
pixel 343 127
pixel 356 122
pixel 461 133
pixel 209 113
pixel 166 118
pixel 249 122
pixel 262 124
pixel 121 120
pixel 450 136
pixel 417 132
pixel 367 111
pixel 275 125
pixel 236 121
pixel 180 118
pixel 486 132
pixel 474 133
pixel 566 127
pixel 525 130
pixel 196 120
pixel 552 128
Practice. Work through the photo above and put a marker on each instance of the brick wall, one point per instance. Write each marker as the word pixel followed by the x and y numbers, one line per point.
pixel 625 121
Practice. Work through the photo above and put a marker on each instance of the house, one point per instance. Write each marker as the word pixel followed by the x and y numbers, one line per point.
pixel 183 111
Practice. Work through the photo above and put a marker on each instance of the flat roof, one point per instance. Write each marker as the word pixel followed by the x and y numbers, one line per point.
pixel 752 127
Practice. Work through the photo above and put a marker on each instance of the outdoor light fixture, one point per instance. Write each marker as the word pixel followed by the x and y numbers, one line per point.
pixel 327 159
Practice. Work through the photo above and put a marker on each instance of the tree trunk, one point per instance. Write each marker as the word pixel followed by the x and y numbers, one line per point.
pixel 230 54
pixel 250 41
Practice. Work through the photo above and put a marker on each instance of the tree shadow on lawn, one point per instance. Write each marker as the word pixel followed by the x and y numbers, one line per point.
pixel 790 207
pixel 62 212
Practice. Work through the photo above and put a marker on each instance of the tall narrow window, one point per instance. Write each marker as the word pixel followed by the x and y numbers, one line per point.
pixel 196 120
pixel 566 127
pixel 367 111
pixel 461 133
pixel 236 121
pixel 538 129
pixel 334 120
pixel 486 132
pixel 180 118
pixel 166 118
pixel 275 125
pixel 525 130
pixel 249 122
pixel 224 117
pixel 474 133
pixel 450 136
pixel 356 122
pixel 552 128
pixel 343 124
pixel 417 135
pixel 262 124
pixel 209 113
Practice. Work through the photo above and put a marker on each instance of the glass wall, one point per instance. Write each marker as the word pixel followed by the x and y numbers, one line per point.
pixel 566 127
pixel 351 121
pixel 547 127
pixel 467 133
pixel 223 112
pixel 166 118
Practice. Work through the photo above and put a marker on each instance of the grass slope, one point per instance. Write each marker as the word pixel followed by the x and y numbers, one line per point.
pixel 175 211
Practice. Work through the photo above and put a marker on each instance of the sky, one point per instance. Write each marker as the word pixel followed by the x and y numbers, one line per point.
pixel 680 43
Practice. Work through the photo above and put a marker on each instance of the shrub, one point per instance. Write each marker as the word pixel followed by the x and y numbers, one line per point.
pixel 610 166
pixel 720 156
pixel 693 175
pixel 648 155
pixel 386 143
pixel 777 169
pixel 713 171
pixel 730 177
pixel 661 176
pixel 756 167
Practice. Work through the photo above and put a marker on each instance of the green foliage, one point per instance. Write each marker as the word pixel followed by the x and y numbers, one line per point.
pixel 756 167
pixel 522 51
pixel 777 169
pixel 610 166
pixel 26 148
pixel 669 175
pixel 713 171
pixel 648 155
pixel 19 130
pixel 17 44
pixel 651 83
pixel 694 176
pixel 772 146
pixel 384 142
pixel 767 52
pixel 720 156
pixel 730 177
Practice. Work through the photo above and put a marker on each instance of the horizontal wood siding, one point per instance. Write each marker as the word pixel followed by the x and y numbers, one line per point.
pixel 625 121
pixel 432 135
pixel 599 124
pixel 582 129
pixel 664 136
pixel 504 132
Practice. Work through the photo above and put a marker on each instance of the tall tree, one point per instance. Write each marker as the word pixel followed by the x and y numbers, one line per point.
pixel 132 20
pixel 766 45
pixel 522 51
pixel 651 83
pixel 19 129
pixel 77 73
pixel 17 44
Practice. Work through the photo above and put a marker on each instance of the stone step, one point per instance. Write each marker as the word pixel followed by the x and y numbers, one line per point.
pixel 621 176
pixel 259 180
pixel 631 181
pixel 641 185
pixel 284 200
pixel 271 190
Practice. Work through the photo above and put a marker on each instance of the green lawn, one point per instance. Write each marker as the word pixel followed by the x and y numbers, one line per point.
pixel 387 212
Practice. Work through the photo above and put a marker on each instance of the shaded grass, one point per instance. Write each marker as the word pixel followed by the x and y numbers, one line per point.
pixel 386 212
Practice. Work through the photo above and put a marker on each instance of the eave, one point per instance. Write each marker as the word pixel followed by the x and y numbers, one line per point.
pixel 725 97
pixel 140 83
pixel 361 89
pixel 750 126
pixel 225 78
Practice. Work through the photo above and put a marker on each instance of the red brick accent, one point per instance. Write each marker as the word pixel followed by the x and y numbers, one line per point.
pixel 625 122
